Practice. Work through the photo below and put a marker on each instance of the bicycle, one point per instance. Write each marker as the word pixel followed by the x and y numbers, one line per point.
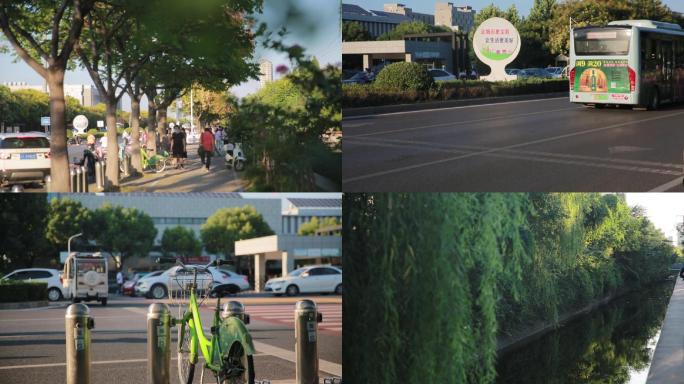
pixel 156 163
pixel 228 353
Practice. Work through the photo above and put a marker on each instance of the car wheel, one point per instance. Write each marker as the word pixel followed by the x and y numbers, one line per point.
pixel 104 302
pixel 158 291
pixel 54 294
pixel 338 289
pixel 292 290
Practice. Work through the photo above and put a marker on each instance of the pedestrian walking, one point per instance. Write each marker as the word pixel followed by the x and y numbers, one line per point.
pixel 219 140
pixel 206 148
pixel 119 281
pixel 184 155
pixel 177 147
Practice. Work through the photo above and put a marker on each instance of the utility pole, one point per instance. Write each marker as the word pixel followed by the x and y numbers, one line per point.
pixel 69 242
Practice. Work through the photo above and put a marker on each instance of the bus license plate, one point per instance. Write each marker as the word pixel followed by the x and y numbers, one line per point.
pixel 600 97
pixel 27 156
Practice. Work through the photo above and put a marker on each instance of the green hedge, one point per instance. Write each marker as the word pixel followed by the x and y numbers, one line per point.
pixel 356 95
pixel 15 291
pixel 404 77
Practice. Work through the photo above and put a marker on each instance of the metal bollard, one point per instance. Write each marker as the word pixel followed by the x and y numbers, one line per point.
pixel 127 165
pixel 158 344
pixel 99 176
pixel 78 324
pixel 235 308
pixel 84 179
pixel 306 341
pixel 72 180
pixel 79 176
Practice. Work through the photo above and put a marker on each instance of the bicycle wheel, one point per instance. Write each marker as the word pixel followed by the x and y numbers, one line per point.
pixel 238 366
pixel 160 164
pixel 186 368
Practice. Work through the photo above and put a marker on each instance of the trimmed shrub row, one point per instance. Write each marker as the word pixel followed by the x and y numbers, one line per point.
pixel 15 291
pixel 367 95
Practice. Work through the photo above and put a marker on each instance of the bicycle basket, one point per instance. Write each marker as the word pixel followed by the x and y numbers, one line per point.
pixel 183 283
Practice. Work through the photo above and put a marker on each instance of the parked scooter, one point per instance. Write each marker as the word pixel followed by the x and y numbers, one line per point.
pixel 235 157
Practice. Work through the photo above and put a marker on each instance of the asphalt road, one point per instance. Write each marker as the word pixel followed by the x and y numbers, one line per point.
pixel 32 341
pixel 535 145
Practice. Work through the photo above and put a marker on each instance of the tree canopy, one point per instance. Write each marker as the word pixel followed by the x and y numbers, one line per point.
pixel 229 225
pixel 180 241
pixel 411 28
pixel 353 31
pixel 310 227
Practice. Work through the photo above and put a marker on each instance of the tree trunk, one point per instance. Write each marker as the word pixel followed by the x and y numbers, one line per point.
pixel 59 159
pixel 136 159
pixel 161 121
pixel 112 174
pixel 151 124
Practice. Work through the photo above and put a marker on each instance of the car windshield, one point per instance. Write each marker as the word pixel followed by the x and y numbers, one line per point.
pixel 296 272
pixel 24 142
pixel 359 76
pixel 91 265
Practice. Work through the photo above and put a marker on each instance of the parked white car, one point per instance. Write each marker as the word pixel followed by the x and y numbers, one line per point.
pixel 55 288
pixel 174 278
pixel 313 278
pixel 24 158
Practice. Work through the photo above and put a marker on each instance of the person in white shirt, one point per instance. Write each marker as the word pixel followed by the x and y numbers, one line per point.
pixel 119 281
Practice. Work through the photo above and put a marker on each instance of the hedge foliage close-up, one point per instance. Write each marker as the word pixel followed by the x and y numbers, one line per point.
pixel 443 276
pixel 18 291
pixel 376 94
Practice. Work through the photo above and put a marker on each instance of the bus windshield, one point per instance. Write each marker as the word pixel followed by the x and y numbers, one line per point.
pixel 602 41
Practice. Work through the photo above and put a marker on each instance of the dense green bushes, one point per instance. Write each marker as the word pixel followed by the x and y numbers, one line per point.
pixel 25 107
pixel 442 275
pixel 355 95
pixel 16 291
pixel 399 77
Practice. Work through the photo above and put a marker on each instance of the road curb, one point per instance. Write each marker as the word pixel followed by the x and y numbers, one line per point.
pixel 377 110
pixel 24 305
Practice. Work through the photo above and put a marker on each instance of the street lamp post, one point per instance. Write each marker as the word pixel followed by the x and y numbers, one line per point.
pixel 69 242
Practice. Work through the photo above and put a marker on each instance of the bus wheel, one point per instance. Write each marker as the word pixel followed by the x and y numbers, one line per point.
pixel 655 101
pixel 599 106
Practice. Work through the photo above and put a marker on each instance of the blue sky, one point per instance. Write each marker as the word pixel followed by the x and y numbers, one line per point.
pixel 523 5
pixel 321 37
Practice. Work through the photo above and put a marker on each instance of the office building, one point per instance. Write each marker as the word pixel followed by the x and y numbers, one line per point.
pixel 265 72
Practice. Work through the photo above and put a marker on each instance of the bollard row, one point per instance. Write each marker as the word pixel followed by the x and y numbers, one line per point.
pixel 78 324
pixel 78 177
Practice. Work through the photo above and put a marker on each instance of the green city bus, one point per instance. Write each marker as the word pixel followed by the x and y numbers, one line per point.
pixel 629 62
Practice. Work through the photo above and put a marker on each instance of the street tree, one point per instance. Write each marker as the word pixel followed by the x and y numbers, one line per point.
pixel 189 52
pixel 126 231
pixel 43 33
pixel 109 50
pixel 65 218
pixel 181 241
pixel 229 225
pixel 353 31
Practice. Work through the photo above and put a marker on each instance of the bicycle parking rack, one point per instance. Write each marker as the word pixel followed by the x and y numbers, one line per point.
pixel 78 324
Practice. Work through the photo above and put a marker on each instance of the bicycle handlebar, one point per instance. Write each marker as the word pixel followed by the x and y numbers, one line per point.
pixel 214 263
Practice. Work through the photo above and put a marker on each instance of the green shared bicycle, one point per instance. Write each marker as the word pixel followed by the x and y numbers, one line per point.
pixel 228 353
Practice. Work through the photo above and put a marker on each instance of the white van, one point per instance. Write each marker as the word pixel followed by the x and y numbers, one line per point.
pixel 85 277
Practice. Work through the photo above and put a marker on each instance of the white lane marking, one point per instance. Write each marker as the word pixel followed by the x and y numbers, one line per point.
pixel 323 365
pixel 61 318
pixel 539 141
pixel 448 108
pixel 549 159
pixel 449 148
pixel 667 186
pixel 136 310
pixel 454 123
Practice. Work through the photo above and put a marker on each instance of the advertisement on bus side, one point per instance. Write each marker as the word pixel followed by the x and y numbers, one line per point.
pixel 601 76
